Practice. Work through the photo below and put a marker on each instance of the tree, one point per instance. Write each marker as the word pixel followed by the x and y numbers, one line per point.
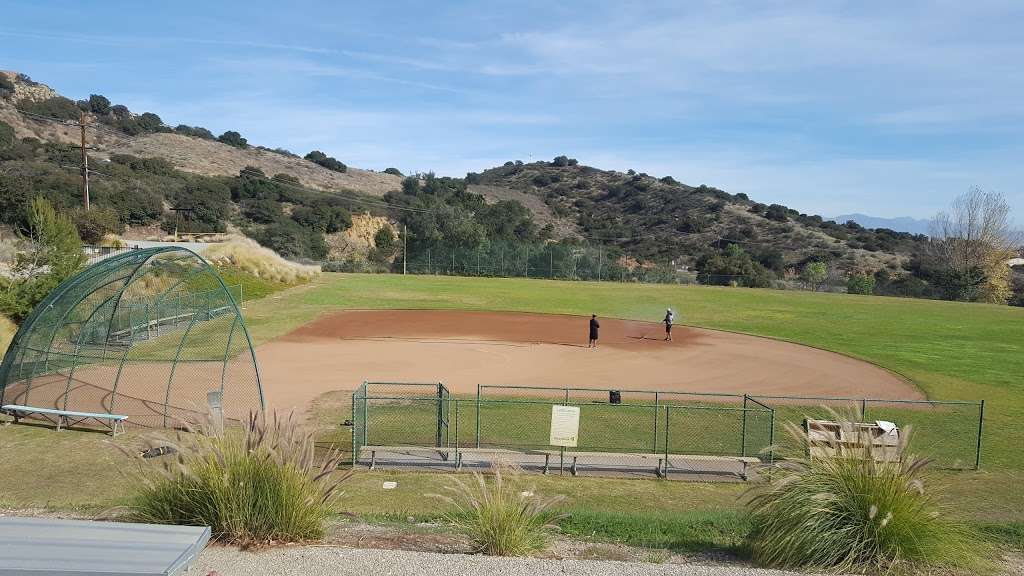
pixel 292 241
pixel 383 245
pixel 973 243
pixel 99 104
pixel 232 138
pixel 329 162
pixel 394 172
pixel 860 284
pixel 814 275
pixel 48 254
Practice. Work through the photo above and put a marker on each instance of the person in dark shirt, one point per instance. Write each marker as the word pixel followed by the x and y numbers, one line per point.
pixel 594 326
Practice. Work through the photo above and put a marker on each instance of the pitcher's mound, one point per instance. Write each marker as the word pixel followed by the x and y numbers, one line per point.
pixel 463 349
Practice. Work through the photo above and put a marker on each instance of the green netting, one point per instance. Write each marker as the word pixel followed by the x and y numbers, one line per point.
pixel 147 333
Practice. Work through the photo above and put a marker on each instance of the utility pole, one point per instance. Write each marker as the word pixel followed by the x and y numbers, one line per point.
pixel 85 163
pixel 599 258
pixel 405 247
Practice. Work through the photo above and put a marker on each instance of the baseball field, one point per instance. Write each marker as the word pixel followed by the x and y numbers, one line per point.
pixel 317 342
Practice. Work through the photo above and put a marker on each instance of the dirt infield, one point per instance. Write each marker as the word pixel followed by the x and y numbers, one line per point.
pixel 463 349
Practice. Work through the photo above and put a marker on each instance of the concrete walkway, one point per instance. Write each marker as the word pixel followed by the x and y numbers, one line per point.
pixel 336 561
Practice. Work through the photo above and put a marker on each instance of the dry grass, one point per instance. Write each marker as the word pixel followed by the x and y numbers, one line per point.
pixel 7 330
pixel 250 257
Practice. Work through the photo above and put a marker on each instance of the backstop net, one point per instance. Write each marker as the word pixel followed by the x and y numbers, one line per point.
pixel 147 334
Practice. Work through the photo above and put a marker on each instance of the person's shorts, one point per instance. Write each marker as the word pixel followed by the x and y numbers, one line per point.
pixel 668 328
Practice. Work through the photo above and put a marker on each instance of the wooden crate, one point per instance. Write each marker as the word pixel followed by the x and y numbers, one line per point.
pixel 826 438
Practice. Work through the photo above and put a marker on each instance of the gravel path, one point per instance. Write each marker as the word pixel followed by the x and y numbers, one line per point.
pixel 335 561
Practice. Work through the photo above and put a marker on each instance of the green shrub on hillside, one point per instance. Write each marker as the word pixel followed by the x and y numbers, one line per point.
pixel 56 107
pixel 232 138
pixel 848 513
pixel 96 223
pixel 329 162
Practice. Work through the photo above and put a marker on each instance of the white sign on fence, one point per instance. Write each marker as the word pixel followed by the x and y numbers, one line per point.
pixel 565 426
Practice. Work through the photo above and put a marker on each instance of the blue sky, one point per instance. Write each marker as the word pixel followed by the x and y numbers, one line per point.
pixel 887 108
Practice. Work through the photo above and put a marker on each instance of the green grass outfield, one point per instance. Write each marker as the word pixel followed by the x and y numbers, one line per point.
pixel 951 351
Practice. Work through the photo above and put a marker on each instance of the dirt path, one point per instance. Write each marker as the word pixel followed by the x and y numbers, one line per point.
pixel 463 349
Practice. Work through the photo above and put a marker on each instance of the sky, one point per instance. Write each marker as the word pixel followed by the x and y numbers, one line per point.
pixel 884 108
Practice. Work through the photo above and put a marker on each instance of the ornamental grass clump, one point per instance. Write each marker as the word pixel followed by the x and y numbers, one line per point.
pixel 261 484
pixel 844 511
pixel 499 515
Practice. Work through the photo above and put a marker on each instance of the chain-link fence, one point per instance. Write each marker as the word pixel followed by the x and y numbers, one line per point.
pixel 948 432
pixel 625 431
pixel 146 334
pixel 717 436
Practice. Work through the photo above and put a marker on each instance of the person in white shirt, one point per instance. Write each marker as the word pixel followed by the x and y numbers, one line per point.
pixel 669 319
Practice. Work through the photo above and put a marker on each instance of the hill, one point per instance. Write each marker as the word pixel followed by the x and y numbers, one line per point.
pixel 899 224
pixel 151 177
pixel 193 154
pixel 658 219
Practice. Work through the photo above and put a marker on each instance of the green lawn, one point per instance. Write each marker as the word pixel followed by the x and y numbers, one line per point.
pixel 950 350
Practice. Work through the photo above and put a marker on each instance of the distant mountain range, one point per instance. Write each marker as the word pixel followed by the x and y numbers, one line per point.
pixel 899 224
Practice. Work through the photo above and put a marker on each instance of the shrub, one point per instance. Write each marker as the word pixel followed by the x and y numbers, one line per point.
pixel 56 107
pixel 7 138
pixel 96 223
pixel 250 257
pixel 500 517
pixel 394 172
pixel 264 485
pixel 860 284
pixel 195 131
pixel 232 138
pixel 329 162
pixel 6 87
pixel 291 240
pixel 848 513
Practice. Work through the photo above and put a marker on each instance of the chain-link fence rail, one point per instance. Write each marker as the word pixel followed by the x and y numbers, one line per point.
pixel 146 334
pixel 421 424
pixel 948 432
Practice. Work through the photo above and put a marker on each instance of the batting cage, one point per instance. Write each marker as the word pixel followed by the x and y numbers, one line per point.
pixel 148 334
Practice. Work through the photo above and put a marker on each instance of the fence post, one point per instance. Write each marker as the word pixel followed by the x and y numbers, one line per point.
pixel 743 429
pixel 665 469
pixel 654 449
pixel 456 401
pixel 864 409
pixel 477 415
pixel 355 449
pixel 366 420
pixel 440 413
pixel 981 426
